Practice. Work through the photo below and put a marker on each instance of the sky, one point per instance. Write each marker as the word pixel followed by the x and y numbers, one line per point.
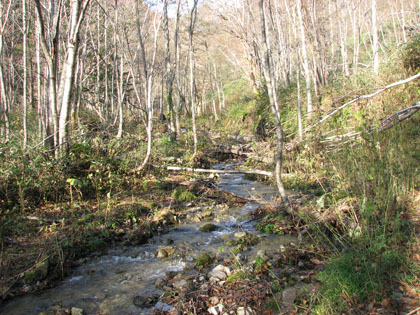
pixel 158 4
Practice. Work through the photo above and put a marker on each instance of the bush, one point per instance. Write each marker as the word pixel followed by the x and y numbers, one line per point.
pixel 411 54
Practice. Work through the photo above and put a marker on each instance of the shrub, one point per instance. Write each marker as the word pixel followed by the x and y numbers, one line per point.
pixel 411 54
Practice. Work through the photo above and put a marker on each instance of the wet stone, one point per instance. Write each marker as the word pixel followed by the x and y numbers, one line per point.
pixel 165 252
pixel 145 301
pixel 289 296
pixel 244 311
pixel 180 284
pixel 160 283
pixel 215 310
pixel 209 227
pixel 240 234
pixel 76 311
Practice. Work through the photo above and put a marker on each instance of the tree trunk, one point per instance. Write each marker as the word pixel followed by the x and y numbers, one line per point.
pixel 149 76
pixel 120 99
pixel 4 109
pixel 272 93
pixel 78 9
pixel 50 51
pixel 299 105
pixel 305 62
pixel 25 76
pixel 403 21
pixel 193 92
pixel 170 74
pixel 375 50
pixel 41 122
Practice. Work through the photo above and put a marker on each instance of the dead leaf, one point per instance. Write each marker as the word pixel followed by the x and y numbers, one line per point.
pixel 316 261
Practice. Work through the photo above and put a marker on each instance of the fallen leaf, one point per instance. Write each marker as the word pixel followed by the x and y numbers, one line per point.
pixel 316 261
pixel 386 302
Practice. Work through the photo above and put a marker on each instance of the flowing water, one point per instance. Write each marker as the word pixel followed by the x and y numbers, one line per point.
pixel 108 284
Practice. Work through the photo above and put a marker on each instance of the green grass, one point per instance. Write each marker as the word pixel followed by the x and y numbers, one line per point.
pixel 376 174
pixel 358 275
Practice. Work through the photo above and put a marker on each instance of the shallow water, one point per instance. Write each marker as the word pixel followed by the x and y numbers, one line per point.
pixel 108 284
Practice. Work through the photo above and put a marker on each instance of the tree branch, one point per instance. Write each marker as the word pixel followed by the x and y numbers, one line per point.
pixel 361 98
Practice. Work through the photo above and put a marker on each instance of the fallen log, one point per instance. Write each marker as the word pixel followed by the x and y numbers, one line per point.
pixel 203 170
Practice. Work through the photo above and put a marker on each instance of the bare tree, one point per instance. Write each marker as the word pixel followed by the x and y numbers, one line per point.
pixel 193 91
pixel 149 69
pixel 272 93
pixel 4 100
pixel 25 74
pixel 375 50
pixel 78 10
pixel 305 58
pixel 170 73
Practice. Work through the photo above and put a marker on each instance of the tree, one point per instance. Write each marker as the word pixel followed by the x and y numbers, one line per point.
pixel 375 50
pixel 4 100
pixel 170 73
pixel 25 75
pixel 51 53
pixel 77 14
pixel 272 85
pixel 193 91
pixel 305 59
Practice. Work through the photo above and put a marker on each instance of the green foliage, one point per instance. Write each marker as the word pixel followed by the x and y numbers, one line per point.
pixel 181 194
pixel 240 110
pixel 273 224
pixel 238 275
pixel 411 54
pixel 38 272
pixel 355 276
pixel 204 260
pixel 259 263
pixel 167 145
pixel 375 174
pixel 91 168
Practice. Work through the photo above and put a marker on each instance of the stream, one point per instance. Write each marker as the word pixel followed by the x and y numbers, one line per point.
pixel 108 284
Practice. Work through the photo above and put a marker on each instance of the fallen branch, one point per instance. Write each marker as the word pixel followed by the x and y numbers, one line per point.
pixel 414 311
pixel 385 124
pixel 361 98
pixel 34 218
pixel 203 170
pixel 398 117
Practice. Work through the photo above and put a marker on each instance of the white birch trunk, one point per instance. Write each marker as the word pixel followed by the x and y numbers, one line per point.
pixel 307 72
pixel 193 93
pixel 272 93
pixel 78 9
pixel 120 100
pixel 25 76
pixel 375 50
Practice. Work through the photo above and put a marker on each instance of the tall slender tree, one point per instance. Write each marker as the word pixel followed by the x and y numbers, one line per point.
pixel 193 90
pixel 375 45
pixel 272 85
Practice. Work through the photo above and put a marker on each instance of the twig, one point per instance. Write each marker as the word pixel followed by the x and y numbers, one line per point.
pixel 414 311
pixel 21 274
